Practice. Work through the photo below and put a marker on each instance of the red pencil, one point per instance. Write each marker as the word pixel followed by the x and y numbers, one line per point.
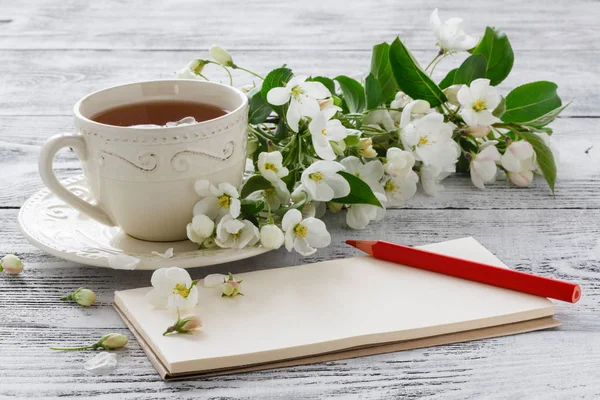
pixel 470 270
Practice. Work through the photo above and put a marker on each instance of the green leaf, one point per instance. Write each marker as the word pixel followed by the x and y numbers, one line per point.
pixel 546 118
pixel 373 92
pixel 256 182
pixel 352 140
pixel 498 53
pixel 448 80
pixel 411 79
pixel 382 71
pixel 472 68
pixel 544 157
pixel 360 192
pixel 328 82
pixel 276 78
pixel 531 102
pixel 258 108
pixel 251 207
pixel 500 108
pixel 354 94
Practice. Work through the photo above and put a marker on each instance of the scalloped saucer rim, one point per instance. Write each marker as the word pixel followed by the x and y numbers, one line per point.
pixel 58 229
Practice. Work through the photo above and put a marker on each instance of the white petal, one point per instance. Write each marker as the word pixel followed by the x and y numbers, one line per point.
pixel 123 261
pixel 470 116
pixel 207 206
pixel 235 208
pixel 340 186
pixel 352 164
pixel 291 219
pixel 228 189
pixel 356 218
pixel 317 235
pixel 523 178
pixel 336 131
pixel 297 80
pixel 372 171
pixel 465 97
pixel 278 96
pixel 213 280
pixel 486 118
pixel 166 254
pixel 317 124
pixel 202 187
pixel 323 192
pixel 289 240
pixel 479 88
pixel 323 150
pixel 293 115
pixel 178 275
pixel 158 279
pixel 510 162
pixel 301 246
pixel 309 107
pixel 316 90
pixel 434 19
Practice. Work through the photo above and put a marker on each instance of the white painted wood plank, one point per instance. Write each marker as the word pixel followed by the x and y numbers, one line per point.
pixel 50 82
pixel 577 186
pixel 264 24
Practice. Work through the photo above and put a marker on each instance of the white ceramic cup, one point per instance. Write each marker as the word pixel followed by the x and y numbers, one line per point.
pixel 142 180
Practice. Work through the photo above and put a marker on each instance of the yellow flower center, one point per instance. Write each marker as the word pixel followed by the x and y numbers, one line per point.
pixel 423 140
pixel 297 92
pixel 181 290
pixel 271 166
pixel 479 105
pixel 316 176
pixel 301 231
pixel 324 132
pixel 236 235
pixel 390 186
pixel 224 201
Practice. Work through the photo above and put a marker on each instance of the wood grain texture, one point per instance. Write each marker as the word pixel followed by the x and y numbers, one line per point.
pixel 264 24
pixel 50 82
pixel 54 52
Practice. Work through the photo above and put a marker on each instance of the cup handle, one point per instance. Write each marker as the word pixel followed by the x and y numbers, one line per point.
pixel 52 146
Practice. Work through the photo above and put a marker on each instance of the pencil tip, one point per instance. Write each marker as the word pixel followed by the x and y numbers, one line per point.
pixel 364 245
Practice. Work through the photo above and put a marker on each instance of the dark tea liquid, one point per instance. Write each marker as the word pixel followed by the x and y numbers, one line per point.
pixel 157 113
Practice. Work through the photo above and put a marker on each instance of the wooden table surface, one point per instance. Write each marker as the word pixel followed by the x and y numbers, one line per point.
pixel 54 52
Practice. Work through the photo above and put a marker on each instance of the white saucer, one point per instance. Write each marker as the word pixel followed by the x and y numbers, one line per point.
pixel 53 226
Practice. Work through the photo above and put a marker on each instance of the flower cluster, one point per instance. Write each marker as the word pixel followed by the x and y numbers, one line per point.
pixel 317 143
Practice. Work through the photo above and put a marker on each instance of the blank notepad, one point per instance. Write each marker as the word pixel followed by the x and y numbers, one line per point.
pixel 331 306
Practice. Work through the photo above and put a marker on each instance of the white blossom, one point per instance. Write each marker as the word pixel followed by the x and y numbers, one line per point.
pixel 414 109
pixel 323 129
pixel 519 161
pixel 483 165
pixel 271 167
pixel 303 98
pixel 477 103
pixel 370 172
pixel 400 100
pixel 11 264
pixel 398 162
pixel 450 34
pixel 444 165
pixel 233 233
pixel 322 182
pixel 360 215
pixel 172 288
pixel 401 188
pixel 304 235
pixel 427 137
pixel 218 200
pixel 271 236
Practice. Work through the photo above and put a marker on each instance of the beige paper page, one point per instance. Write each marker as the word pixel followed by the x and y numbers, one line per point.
pixel 325 307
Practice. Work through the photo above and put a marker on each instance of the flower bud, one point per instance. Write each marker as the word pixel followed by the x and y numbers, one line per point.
pixel 271 236
pixel 334 207
pixel 84 297
pixel 365 148
pixel 231 287
pixel 81 296
pixel 478 131
pixel 112 341
pixel 11 264
pixel 187 324
pixel 221 55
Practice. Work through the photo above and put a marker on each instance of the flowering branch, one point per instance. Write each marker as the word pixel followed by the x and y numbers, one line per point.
pixel 320 144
